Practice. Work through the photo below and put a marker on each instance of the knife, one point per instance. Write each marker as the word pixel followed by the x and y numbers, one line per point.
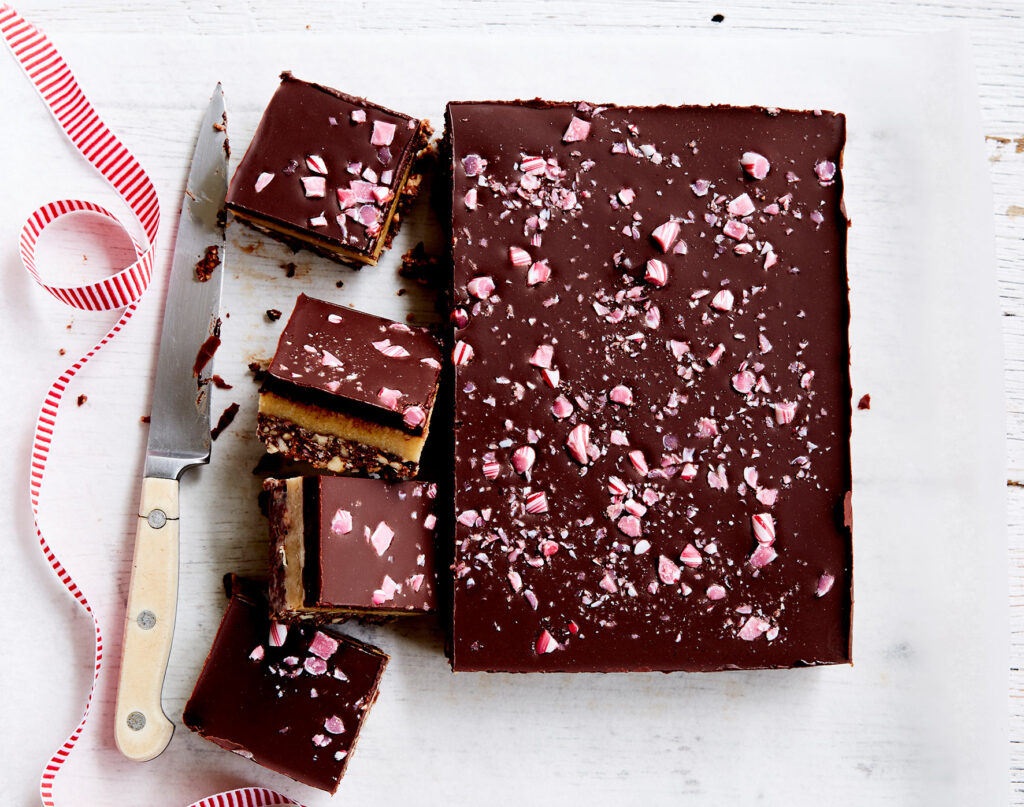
pixel 179 438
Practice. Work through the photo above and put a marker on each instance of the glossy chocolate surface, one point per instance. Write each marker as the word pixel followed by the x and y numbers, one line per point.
pixel 369 544
pixel 311 132
pixel 347 361
pixel 657 311
pixel 293 704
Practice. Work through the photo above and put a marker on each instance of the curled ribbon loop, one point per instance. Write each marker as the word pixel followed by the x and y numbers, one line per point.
pixel 56 84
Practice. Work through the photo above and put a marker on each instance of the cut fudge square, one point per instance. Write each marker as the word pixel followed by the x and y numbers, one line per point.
pixel 343 546
pixel 349 391
pixel 652 394
pixel 328 171
pixel 289 697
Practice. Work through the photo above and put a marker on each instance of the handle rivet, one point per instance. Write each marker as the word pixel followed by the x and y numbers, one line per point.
pixel 146 619
pixel 136 721
pixel 156 519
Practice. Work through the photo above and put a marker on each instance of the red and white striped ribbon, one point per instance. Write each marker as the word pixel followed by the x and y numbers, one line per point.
pixel 54 81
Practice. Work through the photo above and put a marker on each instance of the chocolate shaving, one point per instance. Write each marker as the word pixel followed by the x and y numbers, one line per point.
pixel 226 417
pixel 219 382
pixel 144 419
pixel 273 314
pixel 206 264
pixel 82 399
pixel 864 402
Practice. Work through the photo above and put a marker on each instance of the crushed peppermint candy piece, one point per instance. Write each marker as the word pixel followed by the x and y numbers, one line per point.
pixel 741 206
pixel 825 583
pixel 690 556
pixel 318 221
pixel 826 171
pixel 323 646
pixel 743 382
pixel 784 413
pixel 668 571
pixel 539 272
pixel 314 187
pixel 723 300
pixel 762 556
pixel 537 502
pixel 519 256
pixel 657 272
pixel 764 528
pixel 389 397
pixel 473 165
pixel 630 525
pixel 716 592
pixel 617 487
pixel 491 469
pixel 756 165
pixel 383 133
pixel 381 538
pixel 621 394
pixel 314 162
pixel 753 628
pixel 542 356
pixel 626 196
pixel 523 459
pixel 639 462
pixel 278 634
pixel 561 408
pixel 546 643
pixel 263 180
pixel 735 229
pixel 666 234
pixel 334 725
pixel 578 443
pixel 341 524
pixel 481 287
pixel 578 130
pixel 358 116
pixel 414 416
pixel 462 353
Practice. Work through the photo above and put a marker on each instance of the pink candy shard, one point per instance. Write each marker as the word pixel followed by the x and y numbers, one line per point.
pixel 330 360
pixel 666 234
pixel 639 462
pixel 578 443
pixel 334 725
pixel 386 592
pixel 542 356
pixel 383 133
pixel 318 221
pixel 826 170
pixel 491 469
pixel 716 592
pixel 578 130
pixel 539 272
pixel 519 256
pixel 690 556
pixel 278 634
pixel 470 199
pixel 314 187
pixel 480 287
pixel 537 503
pixel 523 459
pixel 626 196
pixel 257 653
pixel 755 164
pixel 314 162
pixel 723 300
pixel 414 416
pixel 389 397
pixel 381 538
pixel 463 353
pixel 341 524
pixel 784 413
pixel 750 476
pixel 764 528
pixel 762 556
pixel 473 164
pixel 824 585
pixel 263 180
pixel 743 382
pixel 616 487
pixel 561 408
pixel 551 378
pixel 767 496
pixel 314 665
pixel 741 206
pixel 657 272
pixel 358 116
pixel 735 229
pixel 630 525
pixel 668 572
pixel 706 427
pixel 430 521
pixel 469 518
pixel 323 646
pixel 621 395
pixel 753 628
pixel 546 643
pixel 416 582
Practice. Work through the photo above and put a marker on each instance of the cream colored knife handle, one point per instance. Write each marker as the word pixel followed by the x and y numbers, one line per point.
pixel 141 729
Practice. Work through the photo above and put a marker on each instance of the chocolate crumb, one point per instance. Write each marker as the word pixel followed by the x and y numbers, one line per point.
pixel 864 402
pixel 273 314
pixel 206 264
pixel 419 266
pixel 144 419
pixel 219 382
pixel 289 269
pixel 220 127
pixel 400 292
pixel 226 417
pixel 82 399
pixel 340 284
pixel 258 370
pixel 206 351
pixel 61 352
pixel 718 18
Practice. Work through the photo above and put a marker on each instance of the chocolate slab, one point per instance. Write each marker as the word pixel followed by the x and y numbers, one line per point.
pixel 343 546
pixel 341 359
pixel 652 413
pixel 291 698
pixel 326 167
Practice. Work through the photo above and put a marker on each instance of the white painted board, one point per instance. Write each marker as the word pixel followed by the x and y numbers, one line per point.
pixel 920 718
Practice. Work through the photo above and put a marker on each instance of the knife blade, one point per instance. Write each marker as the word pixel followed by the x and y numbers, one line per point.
pixel 179 438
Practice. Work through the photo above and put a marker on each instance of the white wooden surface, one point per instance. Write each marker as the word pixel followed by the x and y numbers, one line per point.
pixel 997 30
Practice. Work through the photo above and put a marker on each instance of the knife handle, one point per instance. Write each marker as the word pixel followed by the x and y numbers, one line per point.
pixel 141 728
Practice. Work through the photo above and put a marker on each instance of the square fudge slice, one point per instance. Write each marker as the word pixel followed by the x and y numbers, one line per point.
pixel 328 171
pixel 342 546
pixel 349 391
pixel 291 698
pixel 652 417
